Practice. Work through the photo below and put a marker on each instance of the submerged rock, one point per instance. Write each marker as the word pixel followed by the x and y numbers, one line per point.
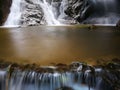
pixel 65 88
pixel 118 24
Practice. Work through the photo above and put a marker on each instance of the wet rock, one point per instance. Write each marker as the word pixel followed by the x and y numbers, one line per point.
pixel 92 27
pixel 78 9
pixel 4 64
pixel 60 65
pixel 116 60
pixel 15 65
pixel 32 14
pixel 111 78
pixel 48 70
pixel 62 69
pixel 118 24
pixel 78 66
pixel 65 88
pixel 113 66
pixel 39 70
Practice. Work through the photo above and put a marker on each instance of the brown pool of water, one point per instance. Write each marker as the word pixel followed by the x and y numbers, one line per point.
pixel 59 44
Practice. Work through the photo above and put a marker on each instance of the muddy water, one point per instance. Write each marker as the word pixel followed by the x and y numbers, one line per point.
pixel 46 45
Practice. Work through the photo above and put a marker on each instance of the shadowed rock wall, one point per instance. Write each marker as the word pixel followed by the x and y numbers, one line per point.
pixel 4 10
pixel 79 9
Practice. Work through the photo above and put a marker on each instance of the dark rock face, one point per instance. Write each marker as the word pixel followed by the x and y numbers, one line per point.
pixel 118 24
pixel 65 88
pixel 78 9
pixel 4 10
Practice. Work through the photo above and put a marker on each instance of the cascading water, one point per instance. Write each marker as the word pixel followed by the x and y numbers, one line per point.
pixel 49 13
pixel 3 79
pixel 38 12
pixel 79 77
pixel 64 4
pixel 52 12
pixel 105 12
pixel 15 14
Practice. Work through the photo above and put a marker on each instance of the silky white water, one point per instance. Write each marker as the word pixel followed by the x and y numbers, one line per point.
pixel 15 14
pixel 64 4
pixel 49 13
pixel 54 12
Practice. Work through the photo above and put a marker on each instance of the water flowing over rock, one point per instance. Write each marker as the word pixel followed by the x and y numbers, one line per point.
pixel 59 12
pixel 39 12
pixel 78 9
pixel 77 76
pixel 3 80
pixel 25 12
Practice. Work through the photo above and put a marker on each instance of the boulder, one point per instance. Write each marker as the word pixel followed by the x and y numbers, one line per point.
pixel 65 88
pixel 118 24
pixel 32 14
pixel 78 9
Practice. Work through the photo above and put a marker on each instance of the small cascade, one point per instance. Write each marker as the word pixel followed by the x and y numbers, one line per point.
pixel 64 4
pixel 3 79
pixel 30 80
pixel 15 14
pixel 38 12
pixel 79 77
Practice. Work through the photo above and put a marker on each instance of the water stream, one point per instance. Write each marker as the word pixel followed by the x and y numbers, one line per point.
pixel 49 13
pixel 3 79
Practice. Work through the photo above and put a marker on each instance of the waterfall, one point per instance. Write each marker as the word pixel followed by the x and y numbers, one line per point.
pixel 64 4
pixel 49 13
pixel 51 79
pixel 15 14
pixel 30 80
pixel 3 75
pixel 52 12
